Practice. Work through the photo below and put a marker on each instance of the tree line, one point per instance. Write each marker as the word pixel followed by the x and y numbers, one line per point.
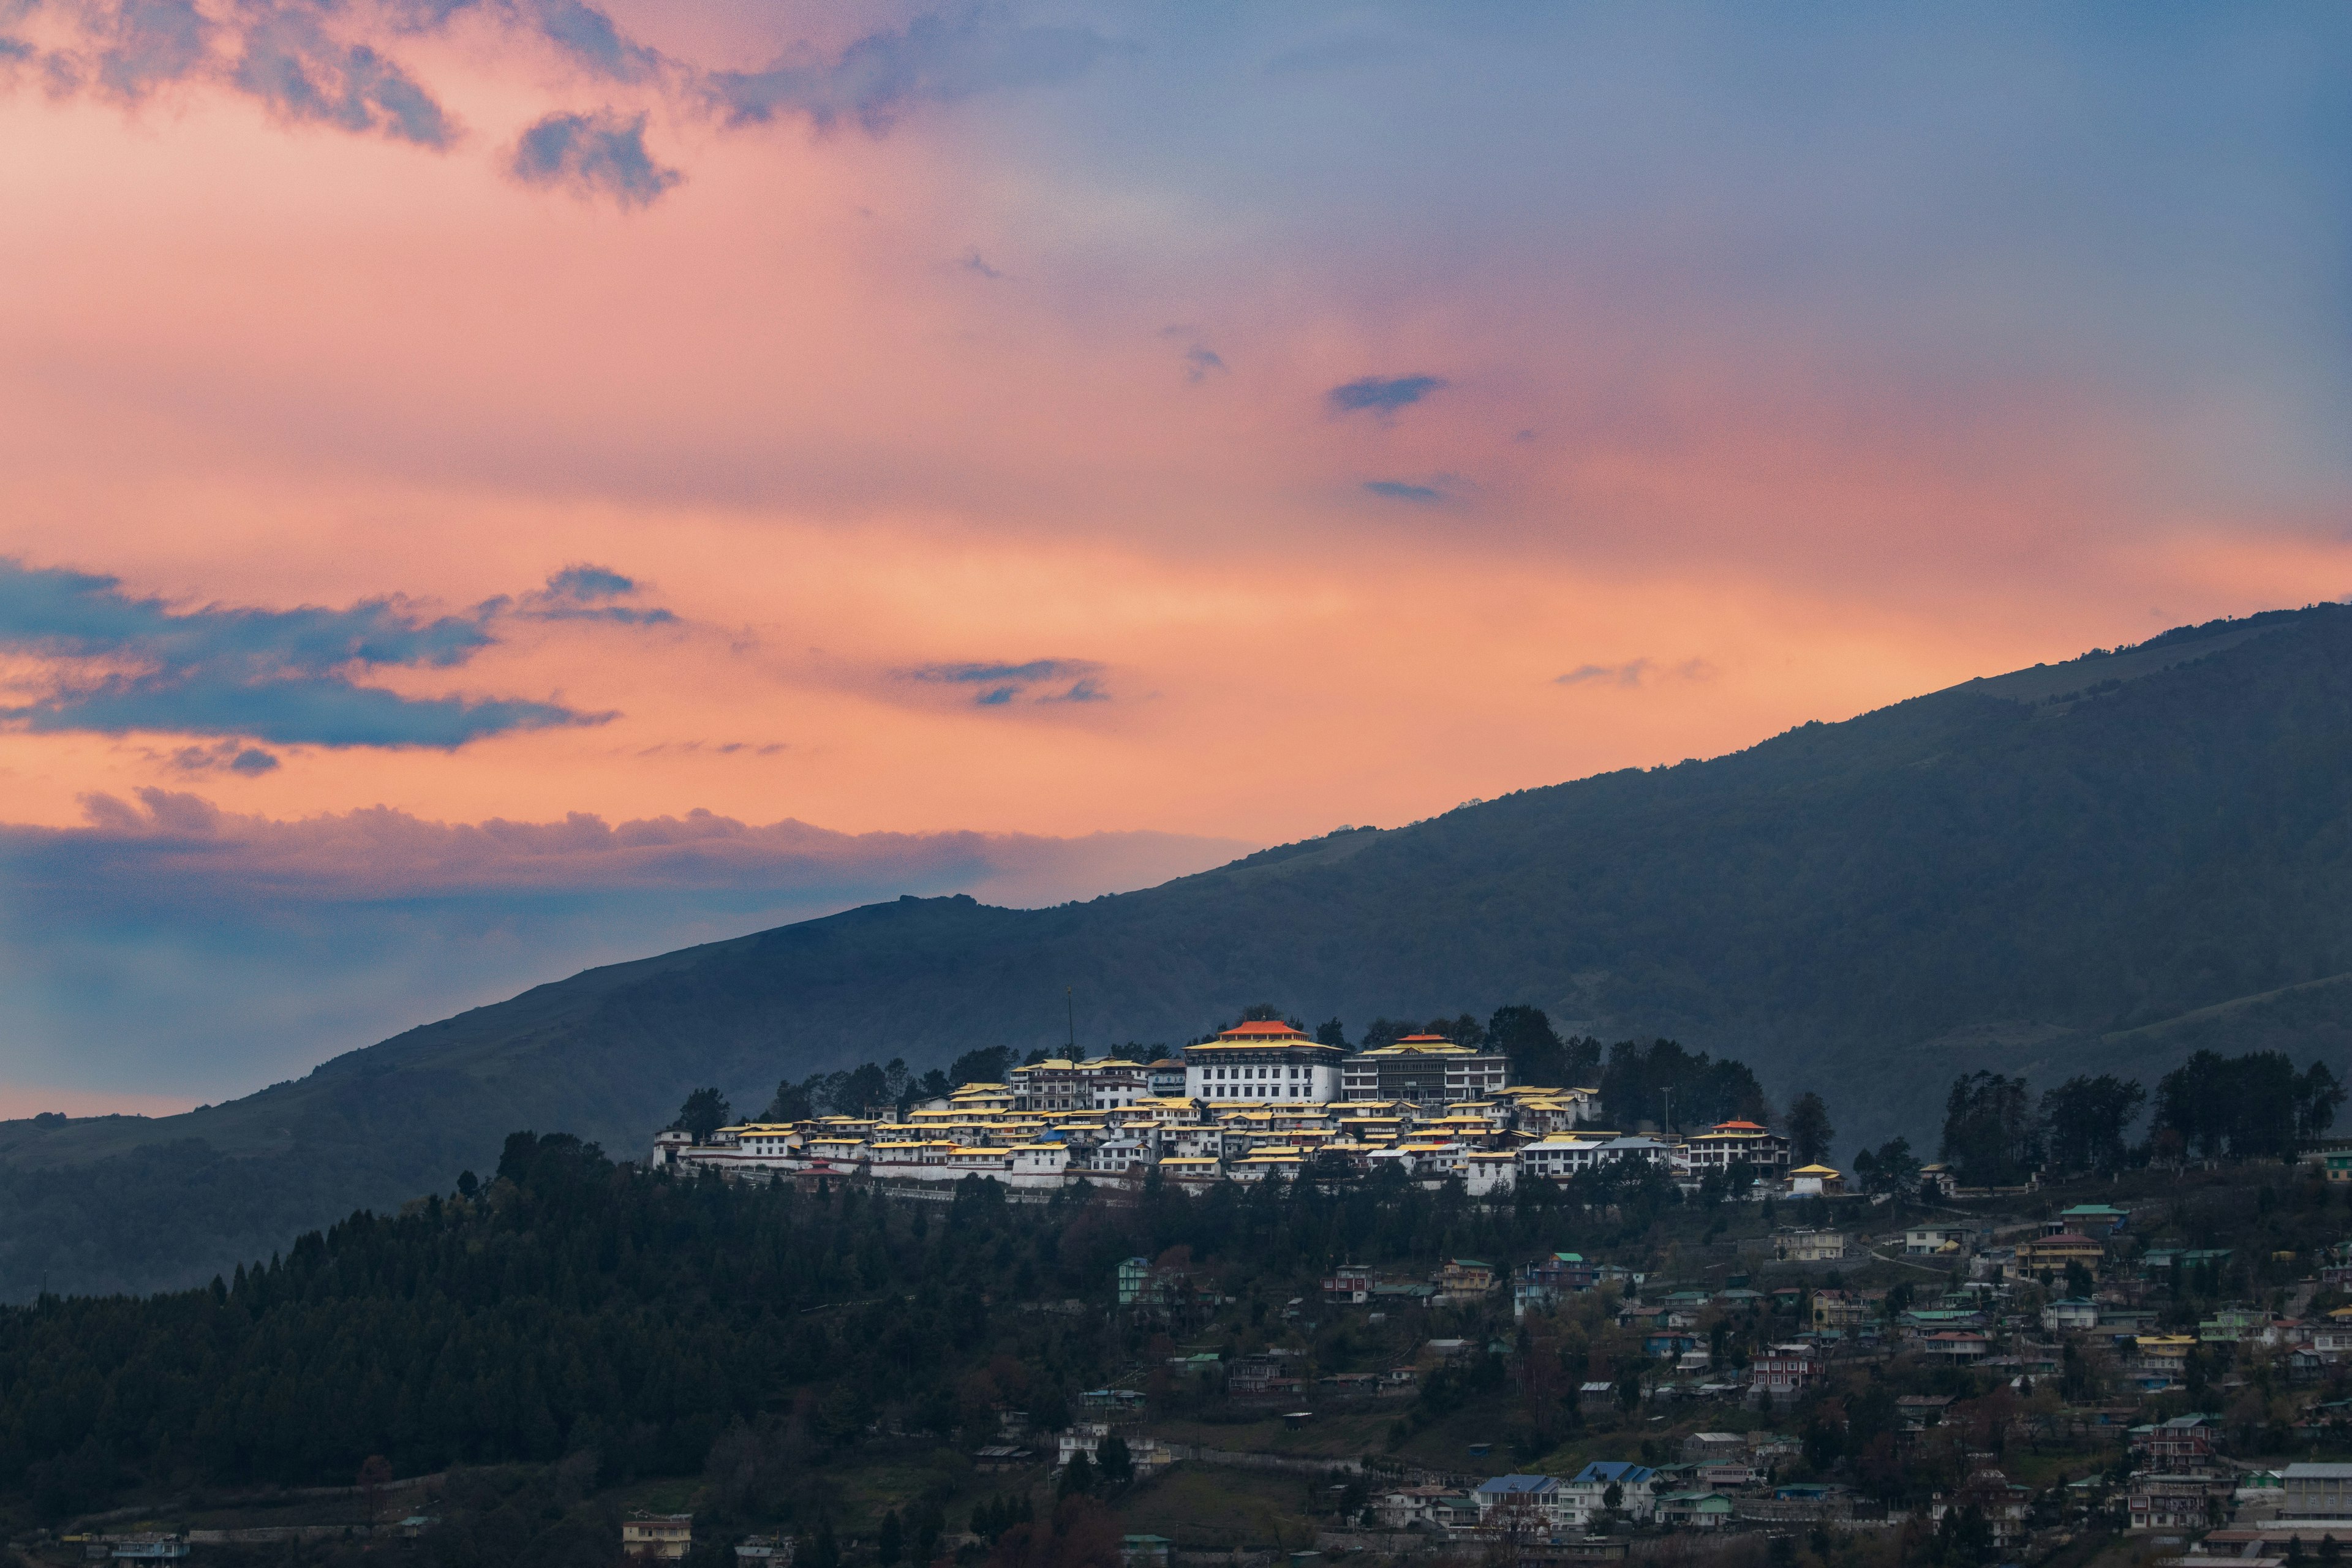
pixel 2249 1107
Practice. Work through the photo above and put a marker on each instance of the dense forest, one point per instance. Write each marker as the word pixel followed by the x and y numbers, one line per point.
pixel 572 1305
pixel 2095 867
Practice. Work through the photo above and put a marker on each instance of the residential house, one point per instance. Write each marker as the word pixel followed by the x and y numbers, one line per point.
pixel 1932 1240
pixel 657 1537
pixel 1694 1510
pixel 1541 1286
pixel 2182 1446
pixel 2003 1504
pixel 2234 1325
pixel 2071 1312
pixel 2164 1356
pixel 1784 1371
pixel 2097 1220
pixel 1464 1276
pixel 1522 1505
pixel 1839 1309
pixel 1588 1493
pixel 2179 1502
pixel 1811 1246
pixel 1404 1508
pixel 2053 1253
pixel 1957 1345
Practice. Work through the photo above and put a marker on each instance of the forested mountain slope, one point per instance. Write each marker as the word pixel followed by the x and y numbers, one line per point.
pixel 2093 866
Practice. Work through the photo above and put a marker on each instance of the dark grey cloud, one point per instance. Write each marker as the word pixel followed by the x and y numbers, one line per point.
pixel 999 684
pixel 1399 490
pixel 598 154
pixel 1381 394
pixel 113 663
pixel 938 59
pixel 974 262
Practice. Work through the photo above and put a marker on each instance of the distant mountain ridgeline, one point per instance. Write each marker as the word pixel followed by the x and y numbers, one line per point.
pixel 2095 867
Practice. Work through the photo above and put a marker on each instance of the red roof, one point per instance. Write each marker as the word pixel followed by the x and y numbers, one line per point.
pixel 1262 1026
pixel 1423 1040
pixel 1737 1127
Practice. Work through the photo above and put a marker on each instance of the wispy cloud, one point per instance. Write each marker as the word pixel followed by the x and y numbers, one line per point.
pixel 1001 684
pixel 326 62
pixel 583 593
pixel 1200 361
pixel 974 262
pixel 937 58
pixel 1634 672
pixel 592 39
pixel 224 756
pixel 1381 394
pixel 105 661
pixel 598 154
pixel 290 63
pixel 1398 490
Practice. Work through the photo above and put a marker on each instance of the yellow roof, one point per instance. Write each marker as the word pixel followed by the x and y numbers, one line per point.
pixel 983 1150
pixel 1188 1159
pixel 1815 1171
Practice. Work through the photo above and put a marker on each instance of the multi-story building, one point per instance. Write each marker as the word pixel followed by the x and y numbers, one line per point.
pixel 1425 1070
pixel 2182 1446
pixel 1588 1493
pixel 1262 1062
pixel 1782 1373
pixel 657 1537
pixel 2190 1502
pixel 1062 1084
pixel 2317 1491
pixel 1729 1143
pixel 1523 1505
pixel 2055 1252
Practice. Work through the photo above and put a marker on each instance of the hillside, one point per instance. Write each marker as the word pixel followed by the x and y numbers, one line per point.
pixel 2095 866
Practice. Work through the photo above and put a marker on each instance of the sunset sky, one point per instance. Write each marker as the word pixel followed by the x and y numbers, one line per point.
pixel 494 486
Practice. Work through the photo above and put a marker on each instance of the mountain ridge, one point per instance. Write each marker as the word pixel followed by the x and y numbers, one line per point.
pixel 2025 868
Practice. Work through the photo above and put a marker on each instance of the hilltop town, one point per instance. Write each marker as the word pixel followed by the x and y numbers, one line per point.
pixel 1261 1099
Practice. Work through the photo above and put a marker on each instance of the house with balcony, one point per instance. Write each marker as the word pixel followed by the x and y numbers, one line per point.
pixel 1522 1505
pixel 1586 1494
